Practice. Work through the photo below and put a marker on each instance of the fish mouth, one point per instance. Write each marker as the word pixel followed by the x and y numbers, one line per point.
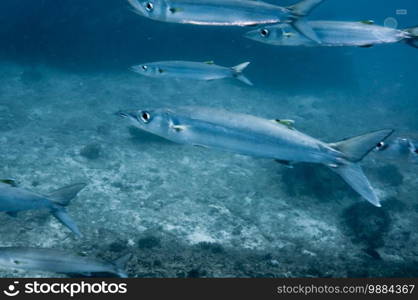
pixel 125 114
pixel 252 35
pixel 133 69
pixel 248 34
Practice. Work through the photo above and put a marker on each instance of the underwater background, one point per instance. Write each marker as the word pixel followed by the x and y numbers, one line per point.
pixel 191 212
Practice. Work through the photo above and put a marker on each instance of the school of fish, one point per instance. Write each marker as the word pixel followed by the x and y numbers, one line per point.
pixel 249 135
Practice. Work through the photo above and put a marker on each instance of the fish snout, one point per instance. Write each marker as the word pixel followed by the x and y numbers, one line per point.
pixel 126 114
pixel 251 34
pixel 134 69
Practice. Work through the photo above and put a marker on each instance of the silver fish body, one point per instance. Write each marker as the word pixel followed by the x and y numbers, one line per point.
pixel 211 12
pixel 258 137
pixel 57 261
pixel 190 70
pixel 238 133
pixel 330 33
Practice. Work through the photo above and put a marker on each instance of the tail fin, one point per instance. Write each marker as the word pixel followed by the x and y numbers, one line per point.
pixel 61 214
pixel 354 176
pixel 64 195
pixel 120 265
pixel 61 198
pixel 355 149
pixel 412 42
pixel 238 73
pixel 304 7
pixel 412 32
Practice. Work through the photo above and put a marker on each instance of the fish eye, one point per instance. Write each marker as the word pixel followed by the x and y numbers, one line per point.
pixel 160 70
pixel 381 146
pixel 145 116
pixel 264 32
pixel 145 68
pixel 149 6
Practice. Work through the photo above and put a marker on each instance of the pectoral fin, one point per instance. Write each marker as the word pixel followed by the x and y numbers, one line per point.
pixel 286 163
pixel 304 28
pixel 287 34
pixel 366 46
pixel 179 128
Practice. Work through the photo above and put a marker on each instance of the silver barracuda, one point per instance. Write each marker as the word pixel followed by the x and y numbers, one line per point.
pixel 257 137
pixel 225 12
pixel 334 34
pixel 399 149
pixel 191 70
pixel 14 199
pixel 58 261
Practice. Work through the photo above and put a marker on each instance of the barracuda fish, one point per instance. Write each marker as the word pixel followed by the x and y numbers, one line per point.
pixel 398 149
pixel 58 261
pixel 226 12
pixel 14 199
pixel 334 34
pixel 191 70
pixel 257 137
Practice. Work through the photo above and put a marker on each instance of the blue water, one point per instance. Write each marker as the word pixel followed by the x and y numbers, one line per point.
pixel 184 211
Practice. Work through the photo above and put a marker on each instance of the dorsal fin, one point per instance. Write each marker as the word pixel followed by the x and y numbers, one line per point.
pixel 286 122
pixel 367 22
pixel 9 181
pixel 304 7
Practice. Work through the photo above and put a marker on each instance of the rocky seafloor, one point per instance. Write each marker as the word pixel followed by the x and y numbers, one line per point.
pixel 190 212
